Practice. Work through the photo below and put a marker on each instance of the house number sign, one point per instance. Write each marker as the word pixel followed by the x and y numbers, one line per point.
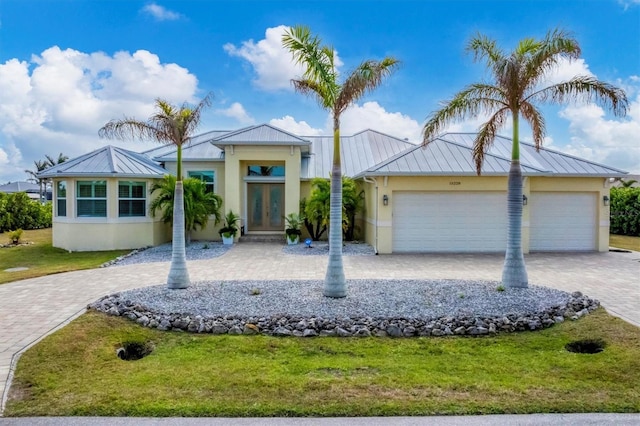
pixel 454 183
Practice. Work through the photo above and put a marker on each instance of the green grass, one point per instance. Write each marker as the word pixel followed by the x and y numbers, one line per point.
pixel 75 372
pixel 43 259
pixel 624 242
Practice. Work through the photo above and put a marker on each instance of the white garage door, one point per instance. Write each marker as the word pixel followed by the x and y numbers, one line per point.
pixel 449 222
pixel 561 221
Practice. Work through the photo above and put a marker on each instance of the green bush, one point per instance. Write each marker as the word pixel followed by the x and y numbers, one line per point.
pixel 17 210
pixel 14 236
pixel 625 211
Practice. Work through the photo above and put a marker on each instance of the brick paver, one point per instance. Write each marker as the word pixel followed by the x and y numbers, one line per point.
pixel 31 309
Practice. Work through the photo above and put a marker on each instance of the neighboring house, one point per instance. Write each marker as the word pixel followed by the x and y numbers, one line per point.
pixel 31 189
pixel 416 199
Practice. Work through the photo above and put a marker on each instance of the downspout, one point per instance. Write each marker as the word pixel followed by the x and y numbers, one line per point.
pixel 375 225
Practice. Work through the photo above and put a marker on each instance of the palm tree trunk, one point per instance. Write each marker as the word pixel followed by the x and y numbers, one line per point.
pixel 178 273
pixel 335 284
pixel 514 273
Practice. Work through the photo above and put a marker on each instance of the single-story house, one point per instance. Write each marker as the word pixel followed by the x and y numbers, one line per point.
pixel 31 189
pixel 416 199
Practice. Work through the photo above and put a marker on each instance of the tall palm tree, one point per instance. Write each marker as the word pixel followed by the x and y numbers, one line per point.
pixel 321 80
pixel 168 125
pixel 55 161
pixel 518 84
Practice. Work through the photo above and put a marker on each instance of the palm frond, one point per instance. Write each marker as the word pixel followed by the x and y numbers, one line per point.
pixel 534 117
pixel 584 88
pixel 486 136
pixel 471 101
pixel 366 77
pixel 313 88
pixel 484 48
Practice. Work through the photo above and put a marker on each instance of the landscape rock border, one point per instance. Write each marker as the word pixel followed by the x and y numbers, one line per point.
pixel 291 325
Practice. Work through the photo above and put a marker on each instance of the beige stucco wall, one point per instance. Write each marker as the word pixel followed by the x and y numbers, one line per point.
pixel 105 233
pixel 238 158
pixel 378 217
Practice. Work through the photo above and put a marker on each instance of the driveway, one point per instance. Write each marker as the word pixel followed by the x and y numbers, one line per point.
pixel 31 309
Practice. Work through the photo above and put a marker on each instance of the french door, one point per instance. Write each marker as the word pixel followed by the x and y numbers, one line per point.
pixel 265 204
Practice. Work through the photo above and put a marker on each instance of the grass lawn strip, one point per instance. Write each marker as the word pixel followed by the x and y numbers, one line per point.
pixel 41 258
pixel 75 372
pixel 624 242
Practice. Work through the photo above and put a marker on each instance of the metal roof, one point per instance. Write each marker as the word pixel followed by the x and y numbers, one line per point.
pixel 452 153
pixel 203 151
pixel 262 134
pixel 358 153
pixel 165 149
pixel 107 161
pixel 19 186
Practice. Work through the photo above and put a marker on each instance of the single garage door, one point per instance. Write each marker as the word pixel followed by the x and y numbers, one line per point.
pixel 562 221
pixel 449 222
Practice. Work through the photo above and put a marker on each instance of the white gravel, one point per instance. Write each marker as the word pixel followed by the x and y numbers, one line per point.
pixel 197 250
pixel 424 299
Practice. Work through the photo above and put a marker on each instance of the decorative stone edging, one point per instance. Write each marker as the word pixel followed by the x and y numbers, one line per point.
pixel 291 325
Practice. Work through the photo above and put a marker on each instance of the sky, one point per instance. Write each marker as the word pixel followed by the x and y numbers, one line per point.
pixel 67 67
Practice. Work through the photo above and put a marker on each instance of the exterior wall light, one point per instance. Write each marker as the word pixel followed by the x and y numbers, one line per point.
pixel 525 200
pixel 385 200
pixel 605 200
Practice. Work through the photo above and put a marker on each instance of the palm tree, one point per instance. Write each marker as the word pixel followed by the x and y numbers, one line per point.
pixel 54 162
pixel 320 79
pixel 518 84
pixel 169 125
pixel 198 203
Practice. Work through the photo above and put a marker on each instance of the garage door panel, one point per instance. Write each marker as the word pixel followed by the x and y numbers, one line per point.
pixel 449 222
pixel 562 221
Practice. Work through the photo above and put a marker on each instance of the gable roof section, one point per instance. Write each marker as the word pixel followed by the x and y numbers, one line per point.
pixel 107 161
pixel 452 153
pixel 358 152
pixel 262 134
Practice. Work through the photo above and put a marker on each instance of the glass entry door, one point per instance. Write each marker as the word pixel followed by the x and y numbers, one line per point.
pixel 266 201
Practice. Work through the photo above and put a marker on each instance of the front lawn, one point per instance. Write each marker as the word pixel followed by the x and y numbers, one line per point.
pixel 76 372
pixel 624 242
pixel 41 258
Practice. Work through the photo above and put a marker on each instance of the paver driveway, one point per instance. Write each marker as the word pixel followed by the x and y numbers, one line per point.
pixel 30 309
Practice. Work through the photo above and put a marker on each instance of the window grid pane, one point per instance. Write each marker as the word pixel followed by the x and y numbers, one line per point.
pixel 132 200
pixel 208 177
pixel 92 198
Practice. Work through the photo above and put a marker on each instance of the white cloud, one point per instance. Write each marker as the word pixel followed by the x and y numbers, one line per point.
pixel 58 101
pixel 614 142
pixel 301 128
pixel 371 115
pixel 160 13
pixel 272 63
pixel 237 112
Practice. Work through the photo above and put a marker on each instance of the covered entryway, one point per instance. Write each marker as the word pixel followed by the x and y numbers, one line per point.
pixel 265 207
pixel 562 221
pixel 449 222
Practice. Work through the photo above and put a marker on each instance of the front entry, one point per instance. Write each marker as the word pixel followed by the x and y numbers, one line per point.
pixel 265 203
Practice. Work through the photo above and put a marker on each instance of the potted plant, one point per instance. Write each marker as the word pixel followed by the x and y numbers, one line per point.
pixel 294 222
pixel 230 228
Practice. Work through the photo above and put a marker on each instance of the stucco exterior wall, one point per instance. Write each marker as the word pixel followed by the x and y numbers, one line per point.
pixel 379 221
pixel 105 233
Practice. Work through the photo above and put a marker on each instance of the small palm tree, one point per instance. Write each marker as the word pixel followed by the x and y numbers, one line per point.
pixel 199 204
pixel 517 86
pixel 169 125
pixel 321 80
pixel 41 165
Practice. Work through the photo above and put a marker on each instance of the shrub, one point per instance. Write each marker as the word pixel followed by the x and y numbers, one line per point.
pixel 14 236
pixel 625 211
pixel 19 211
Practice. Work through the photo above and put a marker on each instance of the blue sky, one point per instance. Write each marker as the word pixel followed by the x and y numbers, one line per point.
pixel 67 67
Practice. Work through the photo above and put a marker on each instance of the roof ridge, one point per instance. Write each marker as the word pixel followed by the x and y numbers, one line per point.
pixel 542 148
pixel 255 126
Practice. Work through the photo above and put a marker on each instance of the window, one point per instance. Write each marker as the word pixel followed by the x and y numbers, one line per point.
pixel 132 199
pixel 207 177
pixel 61 197
pixel 92 198
pixel 256 170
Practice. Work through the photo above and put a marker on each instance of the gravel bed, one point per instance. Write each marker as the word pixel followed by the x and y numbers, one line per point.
pixel 424 299
pixel 321 248
pixel 196 250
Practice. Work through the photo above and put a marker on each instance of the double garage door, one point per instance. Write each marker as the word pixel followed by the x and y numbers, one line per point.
pixel 477 221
